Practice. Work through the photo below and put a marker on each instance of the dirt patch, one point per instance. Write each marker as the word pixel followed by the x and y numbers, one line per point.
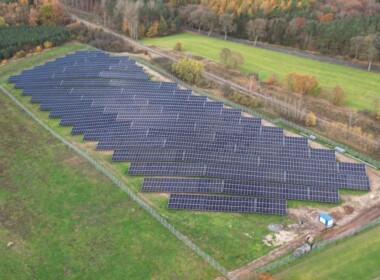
pixel 365 217
pixel 14 243
pixel 73 161
pixel 243 272
pixel 348 209
pixel 280 238
pixel 156 76
pixel 340 212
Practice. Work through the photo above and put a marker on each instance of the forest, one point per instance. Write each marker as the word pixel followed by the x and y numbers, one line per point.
pixel 30 26
pixel 349 29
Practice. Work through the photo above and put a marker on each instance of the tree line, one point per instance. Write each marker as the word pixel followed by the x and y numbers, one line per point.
pixel 345 28
pixel 29 26
pixel 27 38
pixel 134 18
pixel 37 12
pixel 330 32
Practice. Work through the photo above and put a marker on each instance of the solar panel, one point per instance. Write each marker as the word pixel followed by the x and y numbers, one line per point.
pixel 227 204
pixel 167 131
pixel 242 188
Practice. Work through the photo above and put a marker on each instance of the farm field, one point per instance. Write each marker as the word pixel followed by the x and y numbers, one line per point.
pixel 361 87
pixel 354 258
pixel 67 219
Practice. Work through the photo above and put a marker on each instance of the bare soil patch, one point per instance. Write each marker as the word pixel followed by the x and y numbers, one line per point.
pixel 74 161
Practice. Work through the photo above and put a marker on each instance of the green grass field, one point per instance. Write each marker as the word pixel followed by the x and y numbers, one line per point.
pixel 360 86
pixel 69 221
pixel 353 258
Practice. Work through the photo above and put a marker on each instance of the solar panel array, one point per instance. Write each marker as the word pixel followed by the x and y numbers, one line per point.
pixel 208 156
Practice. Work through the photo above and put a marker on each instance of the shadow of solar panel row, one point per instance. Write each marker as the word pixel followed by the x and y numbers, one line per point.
pixel 131 85
pixel 92 71
pixel 166 131
pixel 231 187
pixel 55 72
pixel 227 204
pixel 89 74
pixel 80 83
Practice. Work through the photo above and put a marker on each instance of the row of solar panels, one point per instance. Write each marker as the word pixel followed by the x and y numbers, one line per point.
pixel 166 131
pixel 242 188
pixel 249 173
pixel 227 204
pixel 262 129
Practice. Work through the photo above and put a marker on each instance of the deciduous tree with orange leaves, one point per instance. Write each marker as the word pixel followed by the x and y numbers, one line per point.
pixel 311 119
pixel 304 84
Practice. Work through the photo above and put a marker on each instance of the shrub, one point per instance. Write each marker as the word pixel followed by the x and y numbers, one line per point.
pixel 273 80
pixel 226 90
pixel 377 116
pixel 116 46
pixel 20 54
pixel 244 99
pixel 338 96
pixel 153 30
pixel 2 21
pixel 311 119
pixel 48 44
pixel 47 15
pixel 231 59
pixel 265 276
pixel 38 48
pixel 178 47
pixel 306 85
pixel 188 69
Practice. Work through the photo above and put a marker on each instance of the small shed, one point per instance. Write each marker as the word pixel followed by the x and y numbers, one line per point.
pixel 326 219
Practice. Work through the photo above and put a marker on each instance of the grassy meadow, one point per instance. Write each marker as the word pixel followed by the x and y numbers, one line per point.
pixel 361 87
pixel 353 258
